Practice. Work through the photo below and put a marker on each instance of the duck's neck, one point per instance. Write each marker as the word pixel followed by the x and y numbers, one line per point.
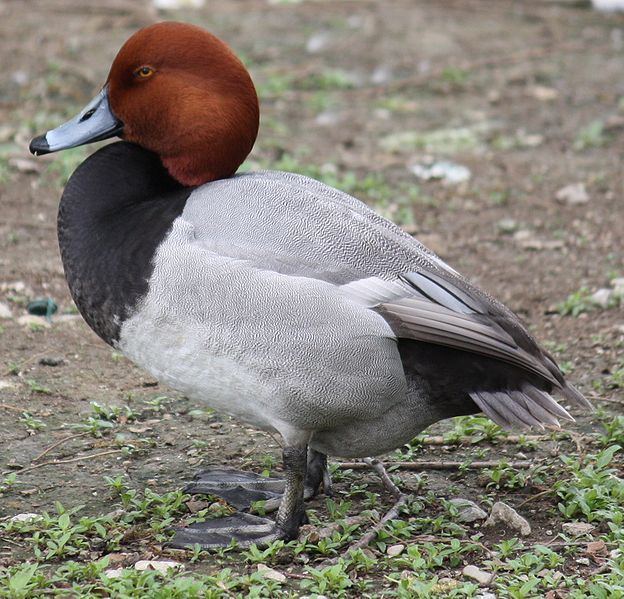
pixel 115 210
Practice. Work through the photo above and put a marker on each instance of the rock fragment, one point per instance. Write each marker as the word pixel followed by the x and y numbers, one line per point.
pixel 25 517
pixel 602 297
pixel 395 550
pixel 482 577
pixel 159 565
pixel 504 514
pixel 270 573
pixel 576 529
pixel 573 194
pixel 468 511
pixel 114 572
pixel 450 173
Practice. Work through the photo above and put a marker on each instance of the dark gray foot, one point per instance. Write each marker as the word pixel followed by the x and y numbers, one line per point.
pixel 245 529
pixel 240 489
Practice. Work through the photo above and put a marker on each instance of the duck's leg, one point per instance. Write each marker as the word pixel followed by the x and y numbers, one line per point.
pixel 241 489
pixel 317 473
pixel 247 529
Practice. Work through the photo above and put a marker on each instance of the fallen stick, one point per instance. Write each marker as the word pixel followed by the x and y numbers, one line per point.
pixel 393 513
pixel 60 442
pixel 440 440
pixel 439 465
pixel 536 496
pixel 8 407
pixel 61 462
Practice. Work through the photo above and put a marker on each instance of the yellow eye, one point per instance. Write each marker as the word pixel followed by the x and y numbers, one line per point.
pixel 144 72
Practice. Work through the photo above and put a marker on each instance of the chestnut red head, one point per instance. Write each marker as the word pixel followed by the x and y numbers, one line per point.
pixel 176 90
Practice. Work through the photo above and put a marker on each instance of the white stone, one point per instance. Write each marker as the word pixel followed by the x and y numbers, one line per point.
pixel 468 511
pixel 602 297
pixel 270 573
pixel 159 565
pixel 5 311
pixel 482 577
pixel 114 572
pixel 395 550
pixel 576 529
pixel 25 517
pixel 507 225
pixel 448 172
pixel 573 194
pixel 504 514
pixel 543 93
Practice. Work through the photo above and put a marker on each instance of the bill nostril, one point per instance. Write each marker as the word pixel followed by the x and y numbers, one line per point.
pixel 87 115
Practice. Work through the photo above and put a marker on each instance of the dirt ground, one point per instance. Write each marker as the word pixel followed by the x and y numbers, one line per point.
pixel 527 95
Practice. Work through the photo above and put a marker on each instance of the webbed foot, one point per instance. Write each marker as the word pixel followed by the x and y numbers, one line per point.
pixel 240 489
pixel 245 529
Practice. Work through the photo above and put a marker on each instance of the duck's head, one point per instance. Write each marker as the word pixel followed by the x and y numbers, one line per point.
pixel 177 91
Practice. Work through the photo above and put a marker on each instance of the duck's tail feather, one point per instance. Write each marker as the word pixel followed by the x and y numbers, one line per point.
pixel 525 408
pixel 572 394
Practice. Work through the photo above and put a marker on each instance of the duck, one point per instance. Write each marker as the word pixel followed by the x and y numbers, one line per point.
pixel 268 295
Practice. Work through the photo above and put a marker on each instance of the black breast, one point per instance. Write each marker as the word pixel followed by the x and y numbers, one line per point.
pixel 116 209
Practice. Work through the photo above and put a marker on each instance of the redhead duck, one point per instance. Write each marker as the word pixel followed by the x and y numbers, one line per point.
pixel 269 295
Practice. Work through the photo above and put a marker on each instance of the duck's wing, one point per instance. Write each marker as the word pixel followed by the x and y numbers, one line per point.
pixel 443 309
pixel 298 226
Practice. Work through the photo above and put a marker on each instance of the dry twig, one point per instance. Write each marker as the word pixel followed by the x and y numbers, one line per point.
pixel 423 465
pixel 59 442
pixel 69 461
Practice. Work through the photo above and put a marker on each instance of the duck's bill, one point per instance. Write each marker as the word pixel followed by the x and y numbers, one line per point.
pixel 95 122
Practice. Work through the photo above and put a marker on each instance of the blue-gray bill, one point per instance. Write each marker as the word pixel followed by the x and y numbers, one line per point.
pixel 95 122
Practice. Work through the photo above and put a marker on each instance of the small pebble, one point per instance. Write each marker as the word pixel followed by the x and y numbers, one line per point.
pixel 482 577
pixel 468 511
pixel 5 311
pixel 602 297
pixel 576 529
pixel 159 565
pixel 507 225
pixel 573 194
pixel 26 517
pixel 114 572
pixel 395 550
pixel 504 514
pixel 270 573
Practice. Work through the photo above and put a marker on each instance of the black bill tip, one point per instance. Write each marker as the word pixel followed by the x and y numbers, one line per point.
pixel 39 145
